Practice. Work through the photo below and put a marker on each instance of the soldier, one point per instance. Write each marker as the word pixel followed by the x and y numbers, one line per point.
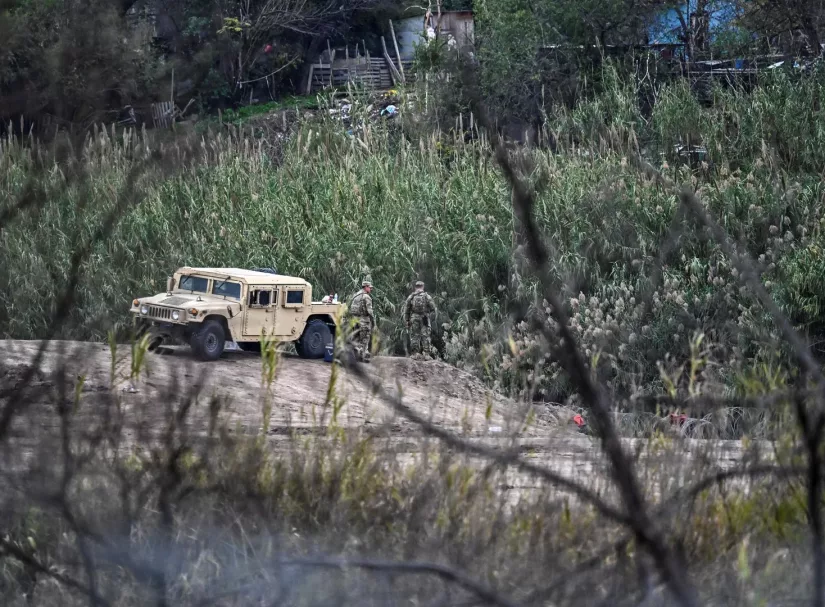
pixel 416 314
pixel 361 308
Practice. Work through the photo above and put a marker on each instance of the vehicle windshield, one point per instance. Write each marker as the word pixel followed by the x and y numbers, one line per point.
pixel 195 284
pixel 223 288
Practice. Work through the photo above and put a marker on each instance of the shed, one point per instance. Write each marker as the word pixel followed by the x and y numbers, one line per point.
pixel 458 24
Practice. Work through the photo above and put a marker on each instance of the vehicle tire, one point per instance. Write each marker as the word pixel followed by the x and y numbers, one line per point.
pixel 315 339
pixel 208 341
pixel 142 327
pixel 155 343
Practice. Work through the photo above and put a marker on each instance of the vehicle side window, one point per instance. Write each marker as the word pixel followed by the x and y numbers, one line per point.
pixel 260 298
pixel 228 289
pixel 294 297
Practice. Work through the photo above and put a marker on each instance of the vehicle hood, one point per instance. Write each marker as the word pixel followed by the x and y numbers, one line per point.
pixel 189 300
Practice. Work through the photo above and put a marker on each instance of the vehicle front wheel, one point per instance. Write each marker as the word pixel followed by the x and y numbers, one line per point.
pixel 315 339
pixel 209 340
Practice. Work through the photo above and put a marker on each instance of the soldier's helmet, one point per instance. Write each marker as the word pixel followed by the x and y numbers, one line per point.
pixel 366 283
pixel 419 284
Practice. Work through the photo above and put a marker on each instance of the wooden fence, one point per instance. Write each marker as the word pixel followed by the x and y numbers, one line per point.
pixel 163 114
pixel 369 72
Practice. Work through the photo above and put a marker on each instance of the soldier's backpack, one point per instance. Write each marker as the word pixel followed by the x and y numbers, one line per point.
pixel 358 307
pixel 420 304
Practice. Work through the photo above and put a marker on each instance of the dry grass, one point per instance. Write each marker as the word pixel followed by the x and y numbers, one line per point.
pixel 165 515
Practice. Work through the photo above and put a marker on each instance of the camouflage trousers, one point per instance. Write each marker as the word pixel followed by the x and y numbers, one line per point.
pixel 362 337
pixel 420 335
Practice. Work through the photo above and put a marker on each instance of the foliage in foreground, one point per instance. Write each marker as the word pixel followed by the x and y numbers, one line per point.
pixel 148 500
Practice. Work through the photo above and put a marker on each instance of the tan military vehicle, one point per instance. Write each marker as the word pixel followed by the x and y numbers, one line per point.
pixel 220 309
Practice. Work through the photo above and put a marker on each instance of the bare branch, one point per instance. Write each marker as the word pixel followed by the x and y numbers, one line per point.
pixel 813 426
pixel 507 458
pixel 523 203
pixel 410 568
pixel 31 561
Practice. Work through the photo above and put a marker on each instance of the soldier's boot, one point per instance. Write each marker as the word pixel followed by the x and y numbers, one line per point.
pixel 414 348
pixel 426 348
pixel 366 342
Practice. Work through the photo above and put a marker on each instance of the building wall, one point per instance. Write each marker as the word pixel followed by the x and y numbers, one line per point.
pixel 460 26
pixel 409 32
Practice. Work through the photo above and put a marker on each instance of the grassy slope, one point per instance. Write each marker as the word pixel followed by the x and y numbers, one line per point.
pixel 332 207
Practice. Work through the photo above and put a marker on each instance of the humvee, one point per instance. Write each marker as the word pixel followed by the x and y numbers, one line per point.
pixel 218 309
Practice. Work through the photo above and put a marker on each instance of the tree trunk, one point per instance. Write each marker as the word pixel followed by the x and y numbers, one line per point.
pixel 699 24
pixel 310 54
pixel 811 35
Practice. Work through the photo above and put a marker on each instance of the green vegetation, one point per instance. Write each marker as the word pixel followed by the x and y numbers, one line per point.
pixel 246 112
pixel 407 204
pixel 145 494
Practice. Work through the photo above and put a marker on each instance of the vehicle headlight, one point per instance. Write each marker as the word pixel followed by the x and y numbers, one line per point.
pixel 175 315
pixel 144 309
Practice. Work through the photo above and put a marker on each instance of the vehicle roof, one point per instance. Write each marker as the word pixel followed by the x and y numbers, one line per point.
pixel 248 276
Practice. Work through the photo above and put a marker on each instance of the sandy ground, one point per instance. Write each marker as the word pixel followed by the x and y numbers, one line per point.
pixel 445 395
pixel 449 397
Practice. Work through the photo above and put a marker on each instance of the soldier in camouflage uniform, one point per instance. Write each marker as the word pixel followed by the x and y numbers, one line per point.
pixel 361 309
pixel 416 314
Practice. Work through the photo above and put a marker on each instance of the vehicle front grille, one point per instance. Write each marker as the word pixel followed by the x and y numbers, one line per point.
pixel 162 313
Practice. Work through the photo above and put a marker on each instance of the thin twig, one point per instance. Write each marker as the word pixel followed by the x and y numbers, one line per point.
pixel 506 458
pixel 31 561
pixel 280 69
pixel 486 594
pixel 813 426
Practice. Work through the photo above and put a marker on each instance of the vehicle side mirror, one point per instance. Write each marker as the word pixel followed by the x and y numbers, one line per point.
pixel 170 284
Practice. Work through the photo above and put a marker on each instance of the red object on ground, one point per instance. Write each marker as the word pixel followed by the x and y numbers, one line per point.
pixel 678 419
pixel 267 48
pixel 578 420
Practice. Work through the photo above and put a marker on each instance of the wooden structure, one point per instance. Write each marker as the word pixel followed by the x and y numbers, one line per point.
pixel 459 25
pixel 336 68
pixel 163 114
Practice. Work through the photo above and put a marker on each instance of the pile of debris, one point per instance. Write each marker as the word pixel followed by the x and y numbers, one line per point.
pixel 353 113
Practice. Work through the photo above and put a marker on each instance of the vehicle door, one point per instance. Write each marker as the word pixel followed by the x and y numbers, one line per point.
pixel 260 314
pixel 289 321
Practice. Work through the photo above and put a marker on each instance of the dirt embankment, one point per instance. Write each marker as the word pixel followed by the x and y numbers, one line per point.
pixel 298 396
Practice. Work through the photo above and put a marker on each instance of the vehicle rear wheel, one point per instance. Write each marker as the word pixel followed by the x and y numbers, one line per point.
pixel 208 341
pixel 315 339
